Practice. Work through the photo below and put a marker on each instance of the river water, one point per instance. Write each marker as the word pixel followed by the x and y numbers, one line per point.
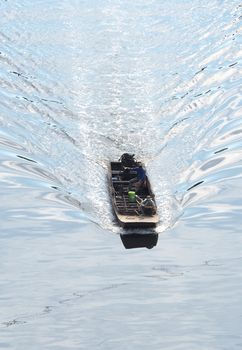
pixel 82 82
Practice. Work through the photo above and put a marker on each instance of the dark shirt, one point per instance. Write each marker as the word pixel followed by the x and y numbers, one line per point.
pixel 140 173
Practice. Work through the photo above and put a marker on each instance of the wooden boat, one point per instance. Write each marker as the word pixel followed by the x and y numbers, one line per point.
pixel 128 212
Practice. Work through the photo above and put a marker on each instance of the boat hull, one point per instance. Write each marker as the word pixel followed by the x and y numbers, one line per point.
pixel 128 221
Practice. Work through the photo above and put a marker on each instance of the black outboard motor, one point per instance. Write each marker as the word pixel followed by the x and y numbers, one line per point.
pixel 128 160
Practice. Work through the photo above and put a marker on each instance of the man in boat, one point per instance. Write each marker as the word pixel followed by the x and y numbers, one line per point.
pixel 127 160
pixel 140 179
pixel 146 206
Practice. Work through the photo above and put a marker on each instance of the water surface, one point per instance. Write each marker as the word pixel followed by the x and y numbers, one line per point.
pixel 82 82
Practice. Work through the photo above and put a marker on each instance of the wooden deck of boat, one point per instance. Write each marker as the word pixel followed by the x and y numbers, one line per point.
pixel 127 212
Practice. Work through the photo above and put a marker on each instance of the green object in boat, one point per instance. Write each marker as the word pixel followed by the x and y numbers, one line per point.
pixel 131 195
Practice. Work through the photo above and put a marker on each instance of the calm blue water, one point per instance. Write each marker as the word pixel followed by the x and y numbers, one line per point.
pixel 82 82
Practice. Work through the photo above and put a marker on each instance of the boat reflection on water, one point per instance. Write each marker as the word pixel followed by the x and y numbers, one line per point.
pixel 138 239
